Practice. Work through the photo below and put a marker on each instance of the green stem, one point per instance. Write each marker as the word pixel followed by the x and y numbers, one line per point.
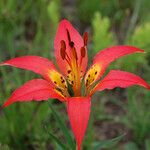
pixel 133 18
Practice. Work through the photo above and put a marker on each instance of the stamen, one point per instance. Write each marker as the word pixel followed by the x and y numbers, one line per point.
pixel 63 44
pixel 85 38
pixel 63 49
pixel 62 53
pixel 68 35
pixel 71 43
pixel 74 53
pixel 83 51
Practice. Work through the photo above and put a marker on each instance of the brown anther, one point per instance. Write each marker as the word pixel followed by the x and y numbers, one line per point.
pixel 83 51
pixel 63 53
pixel 63 49
pixel 68 35
pixel 63 44
pixel 85 38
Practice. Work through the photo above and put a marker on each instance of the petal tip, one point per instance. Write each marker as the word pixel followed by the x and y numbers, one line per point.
pixel 7 103
pixel 64 21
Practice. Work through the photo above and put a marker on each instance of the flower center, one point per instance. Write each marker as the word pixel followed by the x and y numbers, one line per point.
pixel 74 71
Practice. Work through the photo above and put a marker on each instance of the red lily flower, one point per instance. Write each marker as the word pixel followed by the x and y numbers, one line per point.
pixel 71 57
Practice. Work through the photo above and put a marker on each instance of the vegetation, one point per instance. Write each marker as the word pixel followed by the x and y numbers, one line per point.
pixel 117 122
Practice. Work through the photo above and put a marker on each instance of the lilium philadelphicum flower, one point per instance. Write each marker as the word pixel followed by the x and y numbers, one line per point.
pixel 71 56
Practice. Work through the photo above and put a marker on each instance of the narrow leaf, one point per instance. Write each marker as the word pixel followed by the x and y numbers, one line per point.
pixel 63 128
pixel 107 143
pixel 53 137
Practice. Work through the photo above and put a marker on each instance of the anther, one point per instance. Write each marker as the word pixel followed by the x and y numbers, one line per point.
pixel 83 51
pixel 63 44
pixel 63 49
pixel 68 35
pixel 85 38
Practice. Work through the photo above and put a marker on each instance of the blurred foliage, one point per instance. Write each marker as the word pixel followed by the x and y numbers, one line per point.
pixel 28 28
pixel 101 31
pixel 115 9
pixel 54 13
pixel 138 116
pixel 139 38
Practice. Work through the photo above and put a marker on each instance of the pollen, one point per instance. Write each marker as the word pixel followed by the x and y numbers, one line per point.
pixel 58 79
pixel 92 74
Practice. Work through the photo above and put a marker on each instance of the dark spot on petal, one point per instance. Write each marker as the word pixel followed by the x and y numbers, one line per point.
pixel 62 81
pixel 69 71
pixel 89 75
pixel 95 72
pixel 72 82
pixel 55 82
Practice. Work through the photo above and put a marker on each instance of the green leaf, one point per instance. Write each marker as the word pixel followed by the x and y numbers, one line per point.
pixel 131 146
pixel 101 31
pixel 53 137
pixel 107 143
pixel 63 128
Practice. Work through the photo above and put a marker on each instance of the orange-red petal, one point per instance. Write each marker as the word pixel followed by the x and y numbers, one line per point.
pixel 37 89
pixel 36 64
pixel 116 78
pixel 61 34
pixel 79 111
pixel 105 57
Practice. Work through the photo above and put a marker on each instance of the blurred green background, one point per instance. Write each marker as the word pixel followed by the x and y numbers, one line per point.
pixel 28 27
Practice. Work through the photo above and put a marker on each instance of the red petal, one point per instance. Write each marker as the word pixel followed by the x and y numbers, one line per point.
pixel 106 56
pixel 36 89
pixel 79 111
pixel 78 43
pixel 36 64
pixel 116 78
